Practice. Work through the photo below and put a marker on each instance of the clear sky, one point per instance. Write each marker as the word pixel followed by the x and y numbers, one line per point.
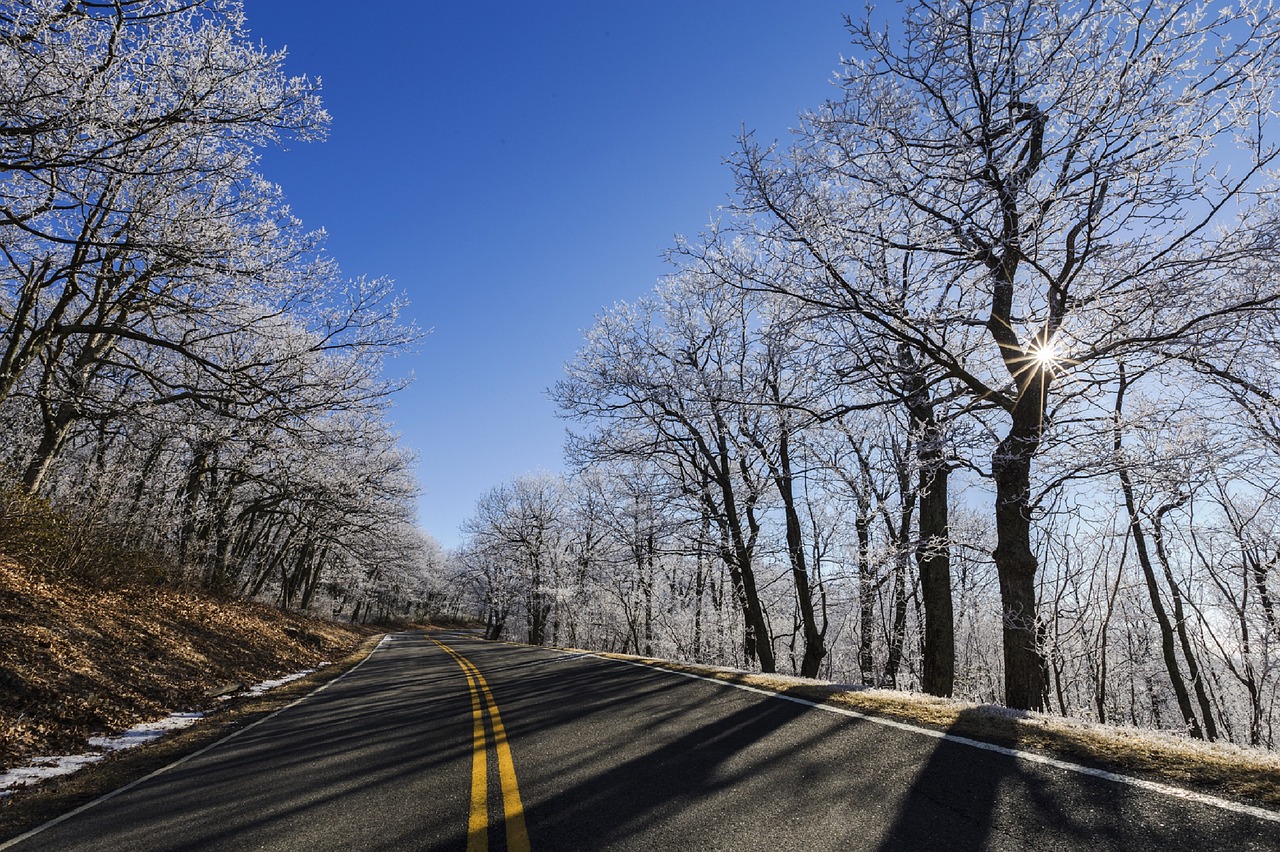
pixel 517 167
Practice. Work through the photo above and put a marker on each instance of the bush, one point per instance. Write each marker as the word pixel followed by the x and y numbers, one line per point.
pixel 35 532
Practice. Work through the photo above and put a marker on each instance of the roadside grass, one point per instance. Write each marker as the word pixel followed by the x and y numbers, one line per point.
pixel 1250 776
pixel 30 807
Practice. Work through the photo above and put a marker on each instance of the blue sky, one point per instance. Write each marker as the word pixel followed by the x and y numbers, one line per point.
pixel 517 168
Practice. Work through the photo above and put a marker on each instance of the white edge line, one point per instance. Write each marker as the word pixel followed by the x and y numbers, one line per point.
pixel 14 841
pixel 1032 757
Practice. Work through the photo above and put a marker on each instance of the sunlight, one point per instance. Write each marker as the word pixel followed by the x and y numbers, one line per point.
pixel 1045 356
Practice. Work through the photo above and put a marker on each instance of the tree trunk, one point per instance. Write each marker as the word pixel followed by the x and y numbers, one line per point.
pixel 866 593
pixel 1180 625
pixel 1157 605
pixel 758 630
pixel 898 628
pixel 736 551
pixel 699 589
pixel 56 429
pixel 933 552
pixel 814 636
pixel 313 580
pixel 1024 681
pixel 648 596
pixel 1153 589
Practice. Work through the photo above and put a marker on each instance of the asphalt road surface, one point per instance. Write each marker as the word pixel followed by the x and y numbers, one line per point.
pixel 444 742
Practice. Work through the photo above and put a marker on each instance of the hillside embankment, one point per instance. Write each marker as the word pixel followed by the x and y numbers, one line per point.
pixel 78 660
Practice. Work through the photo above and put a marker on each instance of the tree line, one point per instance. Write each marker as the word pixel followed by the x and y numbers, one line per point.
pixel 183 368
pixel 970 391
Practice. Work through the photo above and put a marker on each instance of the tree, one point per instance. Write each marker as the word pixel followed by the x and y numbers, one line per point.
pixel 519 531
pixel 167 324
pixel 665 379
pixel 1070 182
pixel 130 205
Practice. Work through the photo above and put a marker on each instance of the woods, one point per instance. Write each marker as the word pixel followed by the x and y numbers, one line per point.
pixel 969 391
pixel 184 371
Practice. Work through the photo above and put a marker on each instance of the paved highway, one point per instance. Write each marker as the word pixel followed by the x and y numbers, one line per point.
pixel 444 742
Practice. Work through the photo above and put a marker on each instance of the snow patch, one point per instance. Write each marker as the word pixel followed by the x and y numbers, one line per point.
pixel 268 685
pixel 42 769
pixel 146 732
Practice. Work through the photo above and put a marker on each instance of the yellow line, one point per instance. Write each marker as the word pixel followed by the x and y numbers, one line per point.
pixel 478 821
pixel 513 809
pixel 517 835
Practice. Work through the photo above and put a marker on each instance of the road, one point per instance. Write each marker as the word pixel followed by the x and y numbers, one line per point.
pixel 445 742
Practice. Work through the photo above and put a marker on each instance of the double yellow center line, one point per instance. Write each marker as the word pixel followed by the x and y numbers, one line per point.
pixel 513 810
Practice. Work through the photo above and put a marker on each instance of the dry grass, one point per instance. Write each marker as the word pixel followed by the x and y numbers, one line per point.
pixel 1246 775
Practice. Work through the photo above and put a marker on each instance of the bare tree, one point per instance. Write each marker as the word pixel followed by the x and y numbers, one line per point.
pixel 1057 173
pixel 664 379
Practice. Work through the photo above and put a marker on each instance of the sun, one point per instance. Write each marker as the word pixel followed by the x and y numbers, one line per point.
pixel 1046 355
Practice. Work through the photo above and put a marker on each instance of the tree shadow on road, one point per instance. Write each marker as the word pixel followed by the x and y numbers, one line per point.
pixel 973 794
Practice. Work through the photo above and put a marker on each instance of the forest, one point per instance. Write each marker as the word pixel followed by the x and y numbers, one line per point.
pixel 190 388
pixel 970 389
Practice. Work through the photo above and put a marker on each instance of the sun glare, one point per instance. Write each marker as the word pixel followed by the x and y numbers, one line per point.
pixel 1045 356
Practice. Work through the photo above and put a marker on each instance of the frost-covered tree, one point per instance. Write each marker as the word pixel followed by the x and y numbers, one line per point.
pixel 179 361
pixel 665 379
pixel 1070 182
pixel 518 540
pixel 130 199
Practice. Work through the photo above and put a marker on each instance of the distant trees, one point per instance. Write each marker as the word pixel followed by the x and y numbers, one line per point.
pixel 521 527
pixel 178 358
